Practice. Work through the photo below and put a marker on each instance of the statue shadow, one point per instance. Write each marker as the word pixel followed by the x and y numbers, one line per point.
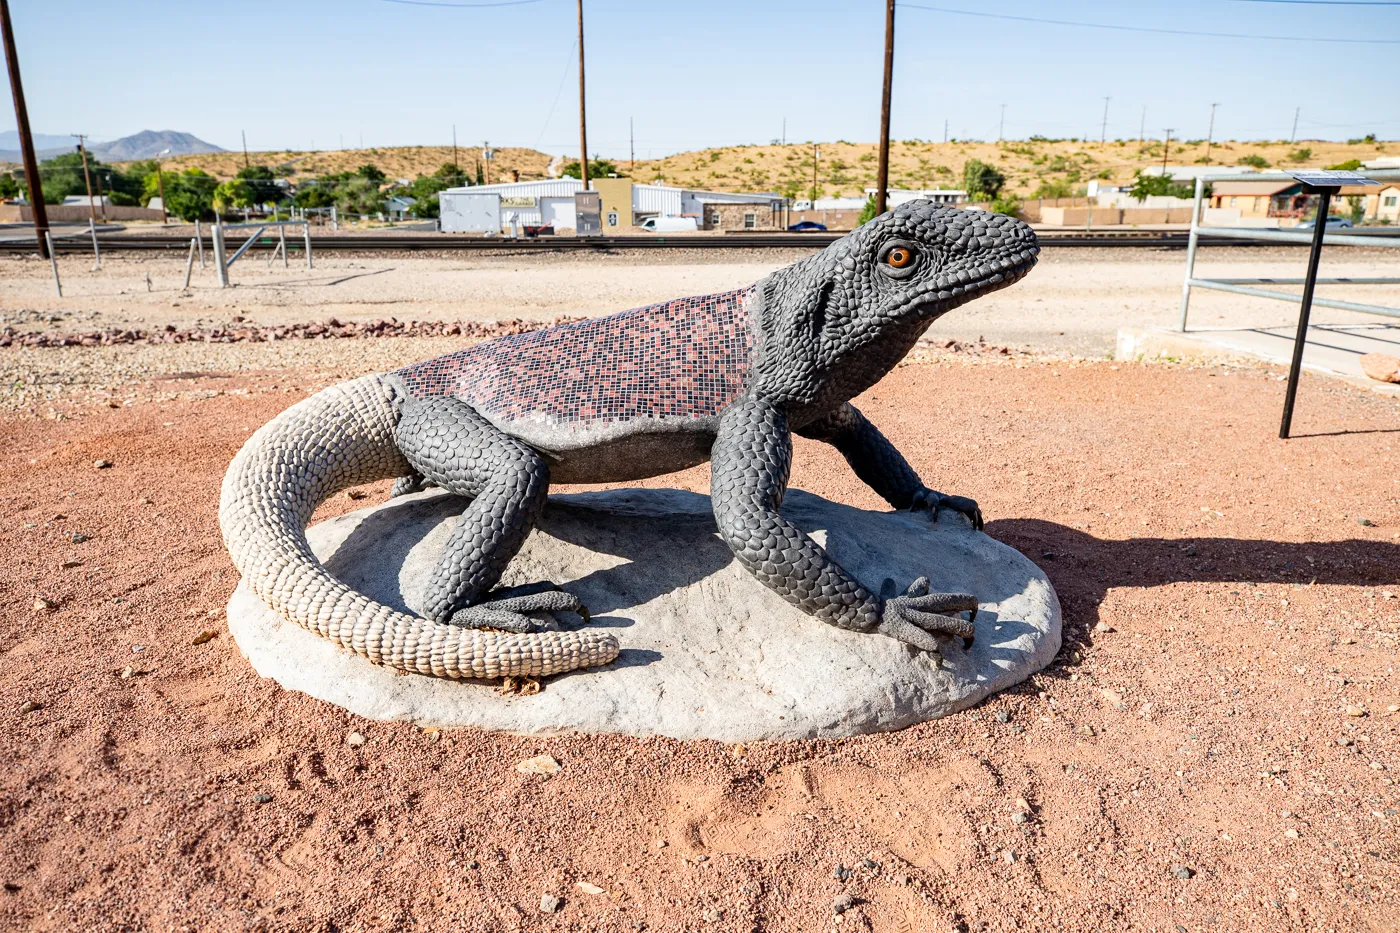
pixel 659 553
pixel 1083 568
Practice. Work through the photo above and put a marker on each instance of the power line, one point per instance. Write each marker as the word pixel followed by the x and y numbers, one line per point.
pixel 462 6
pixel 1328 2
pixel 1172 32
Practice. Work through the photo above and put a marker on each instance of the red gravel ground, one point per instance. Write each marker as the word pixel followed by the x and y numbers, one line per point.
pixel 1189 764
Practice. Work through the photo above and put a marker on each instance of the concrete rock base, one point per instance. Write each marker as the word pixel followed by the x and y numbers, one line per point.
pixel 708 651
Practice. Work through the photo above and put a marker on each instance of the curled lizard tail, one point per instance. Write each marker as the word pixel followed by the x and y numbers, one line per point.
pixel 342 437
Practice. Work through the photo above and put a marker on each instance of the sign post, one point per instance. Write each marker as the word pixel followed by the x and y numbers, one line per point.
pixel 1324 184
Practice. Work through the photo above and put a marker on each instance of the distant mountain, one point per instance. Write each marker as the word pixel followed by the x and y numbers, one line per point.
pixel 143 145
pixel 10 140
pixel 148 143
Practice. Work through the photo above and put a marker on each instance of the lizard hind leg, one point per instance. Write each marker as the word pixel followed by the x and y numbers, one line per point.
pixel 451 445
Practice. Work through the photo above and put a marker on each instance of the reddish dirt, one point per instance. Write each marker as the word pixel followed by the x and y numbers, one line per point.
pixel 1240 607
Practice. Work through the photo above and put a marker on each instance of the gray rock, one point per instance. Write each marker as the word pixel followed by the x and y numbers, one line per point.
pixel 549 903
pixel 708 651
pixel 841 873
pixel 842 903
pixel 1182 872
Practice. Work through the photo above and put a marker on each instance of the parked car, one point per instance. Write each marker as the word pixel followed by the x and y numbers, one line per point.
pixel 807 226
pixel 1333 223
pixel 670 224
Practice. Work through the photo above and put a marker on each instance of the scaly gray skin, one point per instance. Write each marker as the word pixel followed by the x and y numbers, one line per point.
pixel 825 329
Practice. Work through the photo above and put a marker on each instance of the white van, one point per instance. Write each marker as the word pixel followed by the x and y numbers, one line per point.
pixel 670 224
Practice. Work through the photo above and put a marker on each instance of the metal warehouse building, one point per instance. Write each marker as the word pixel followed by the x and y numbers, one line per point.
pixel 483 208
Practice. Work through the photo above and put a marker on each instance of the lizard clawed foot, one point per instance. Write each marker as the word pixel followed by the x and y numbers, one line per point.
pixel 507 611
pixel 407 484
pixel 915 617
pixel 932 501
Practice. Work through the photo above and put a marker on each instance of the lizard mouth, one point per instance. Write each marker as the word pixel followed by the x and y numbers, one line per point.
pixel 946 294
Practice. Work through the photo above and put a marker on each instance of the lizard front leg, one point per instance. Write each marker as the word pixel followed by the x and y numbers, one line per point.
pixel 881 466
pixel 750 462
pixel 449 444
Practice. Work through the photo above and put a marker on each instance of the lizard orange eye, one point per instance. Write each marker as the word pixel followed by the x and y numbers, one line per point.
pixel 899 257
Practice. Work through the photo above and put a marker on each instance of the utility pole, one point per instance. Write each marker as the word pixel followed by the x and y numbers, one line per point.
pixel 1166 147
pixel 1103 127
pixel 87 182
pixel 582 114
pixel 1001 127
pixel 1142 127
pixel 486 157
pixel 784 131
pixel 102 203
pixel 816 153
pixel 160 185
pixel 945 130
pixel 882 173
pixel 1210 133
pixel 631 146
pixel 1293 136
pixel 456 169
pixel 244 134
pixel 26 141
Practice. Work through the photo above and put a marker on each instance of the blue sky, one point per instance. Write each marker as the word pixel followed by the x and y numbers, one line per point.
pixel 693 73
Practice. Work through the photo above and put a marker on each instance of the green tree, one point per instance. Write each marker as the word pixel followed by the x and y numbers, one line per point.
pixel 867 212
pixel 261 184
pixel 189 195
pixel 1008 205
pixel 233 193
pixel 9 188
pixel 1356 208
pixel 1160 185
pixel 1053 188
pixel 597 168
pixel 1350 165
pixel 371 172
pixel 983 182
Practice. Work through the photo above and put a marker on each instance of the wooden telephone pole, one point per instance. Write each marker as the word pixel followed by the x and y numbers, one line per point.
pixel 882 174
pixel 87 181
pixel 582 117
pixel 26 140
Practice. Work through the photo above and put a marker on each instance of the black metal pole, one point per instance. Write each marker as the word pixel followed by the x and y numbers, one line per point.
pixel 1314 257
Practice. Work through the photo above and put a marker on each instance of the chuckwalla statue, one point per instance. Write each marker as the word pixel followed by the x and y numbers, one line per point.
pixel 724 378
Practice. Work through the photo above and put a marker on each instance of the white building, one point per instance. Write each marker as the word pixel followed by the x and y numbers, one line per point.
pixel 551 203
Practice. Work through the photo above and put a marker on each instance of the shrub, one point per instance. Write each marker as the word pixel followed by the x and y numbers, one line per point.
pixel 867 213
pixel 982 182
pixel 1053 188
pixel 1009 206
pixel 1256 161
pixel 1302 154
pixel 1350 165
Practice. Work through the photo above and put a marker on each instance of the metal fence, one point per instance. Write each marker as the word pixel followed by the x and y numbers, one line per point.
pixel 1246 286
pixel 222 261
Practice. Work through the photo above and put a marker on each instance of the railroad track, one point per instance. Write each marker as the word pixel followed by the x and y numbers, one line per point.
pixel 451 243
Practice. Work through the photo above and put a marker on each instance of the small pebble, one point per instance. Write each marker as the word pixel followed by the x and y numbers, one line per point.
pixel 714 916
pixel 544 765
pixel 1291 833
pixel 1392 708
pixel 1008 857
pixel 1365 523
pixel 262 798
pixel 204 637
pixel 102 464
pixel 661 843
pixel 29 706
pixel 41 604
pixel 870 863
pixel 1104 628
pixel 841 873
pixel 549 903
pixel 1002 715
pixel 355 740
pixel 1085 730
pixel 587 888
pixel 1182 872
pixel 355 494
pixel 1355 711
pixel 1019 817
pixel 1343 741
pixel 78 537
pixel 842 903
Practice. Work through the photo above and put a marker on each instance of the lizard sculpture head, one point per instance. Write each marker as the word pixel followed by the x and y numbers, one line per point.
pixel 844 316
